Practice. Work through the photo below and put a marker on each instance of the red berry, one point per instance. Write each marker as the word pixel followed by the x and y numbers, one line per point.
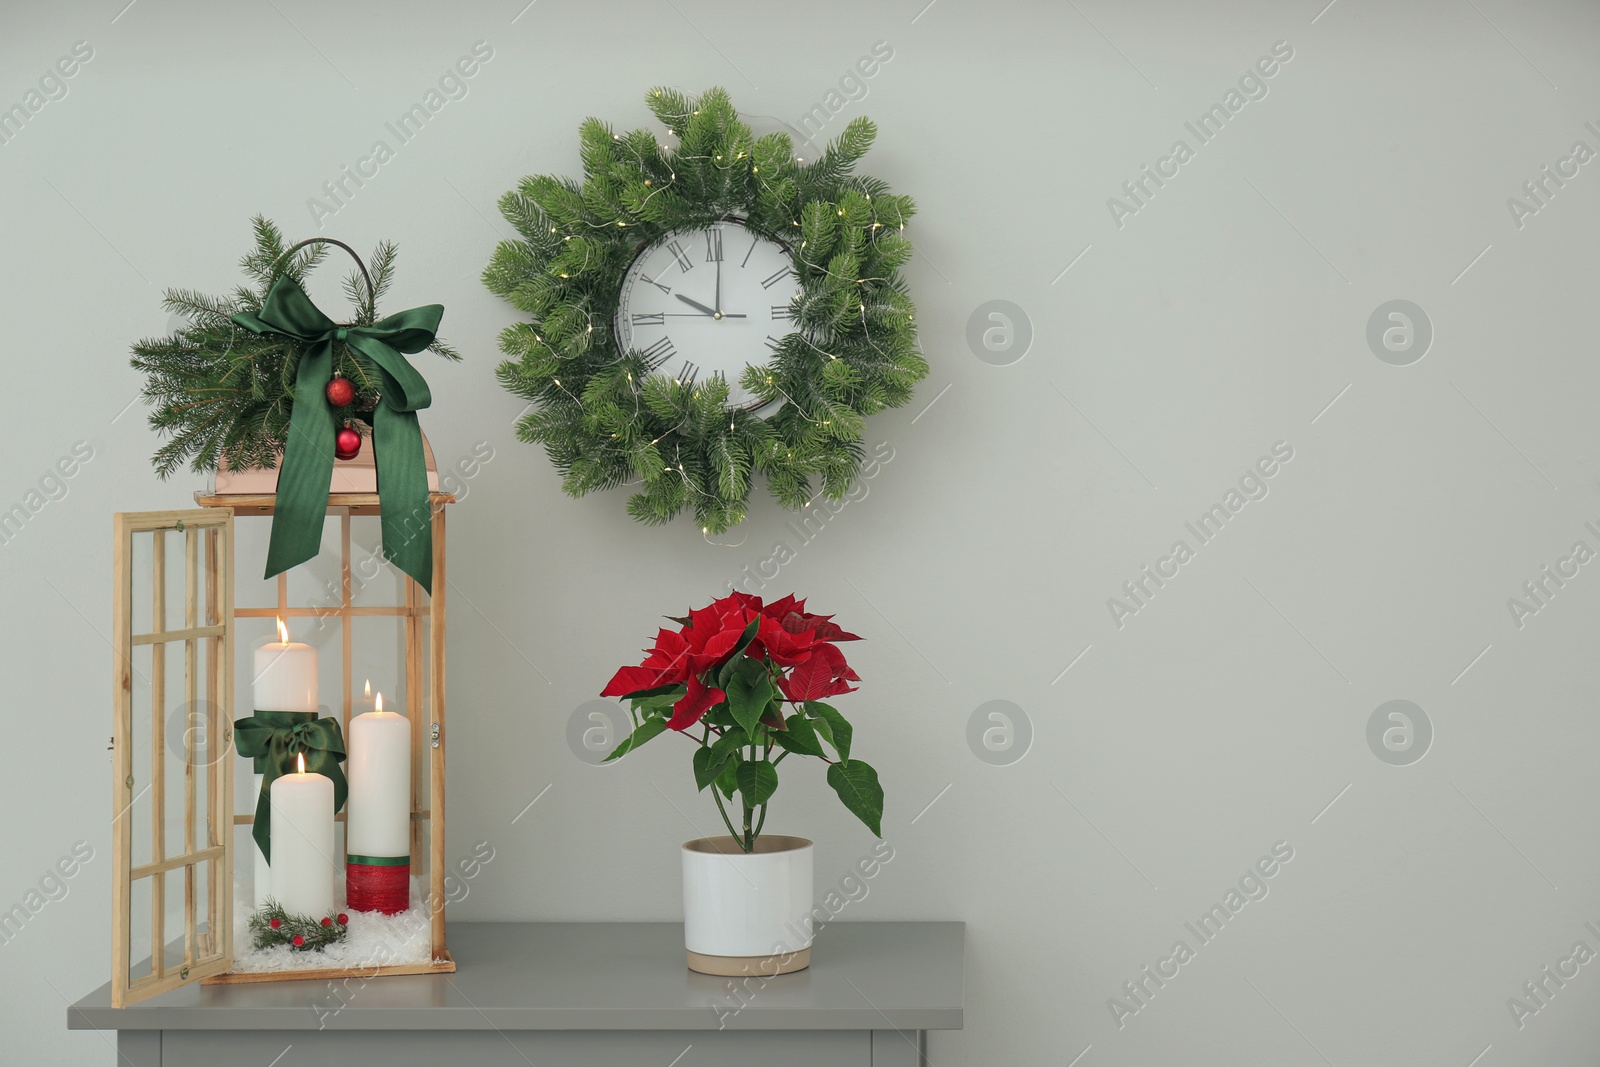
pixel 276 923
pixel 298 940
pixel 340 392
pixel 327 922
pixel 346 443
pixel 343 918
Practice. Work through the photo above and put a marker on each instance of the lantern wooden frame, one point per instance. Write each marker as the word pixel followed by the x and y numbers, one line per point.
pixel 208 946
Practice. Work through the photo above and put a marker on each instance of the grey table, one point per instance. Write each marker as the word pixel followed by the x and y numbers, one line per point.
pixel 569 995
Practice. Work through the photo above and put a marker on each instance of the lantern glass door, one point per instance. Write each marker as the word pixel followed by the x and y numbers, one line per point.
pixel 171 739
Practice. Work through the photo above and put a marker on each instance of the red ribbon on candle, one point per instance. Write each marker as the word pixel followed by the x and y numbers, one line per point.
pixel 383 886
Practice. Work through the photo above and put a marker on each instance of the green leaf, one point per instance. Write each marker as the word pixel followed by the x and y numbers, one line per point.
pixel 749 692
pixel 857 785
pixel 649 729
pixel 708 765
pixel 737 660
pixel 643 694
pixel 728 780
pixel 798 736
pixel 831 725
pixel 732 740
pixel 758 780
pixel 655 704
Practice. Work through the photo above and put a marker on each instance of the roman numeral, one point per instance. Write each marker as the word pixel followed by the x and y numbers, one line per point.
pixel 656 318
pixel 773 279
pixel 678 254
pixel 687 373
pixel 658 285
pixel 658 353
pixel 773 342
pixel 713 246
pixel 753 242
pixel 780 313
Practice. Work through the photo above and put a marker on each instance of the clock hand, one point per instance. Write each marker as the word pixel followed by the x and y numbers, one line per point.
pixel 701 315
pixel 713 312
pixel 718 300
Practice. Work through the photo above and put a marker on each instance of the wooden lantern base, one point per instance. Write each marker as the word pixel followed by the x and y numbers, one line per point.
pixel 445 964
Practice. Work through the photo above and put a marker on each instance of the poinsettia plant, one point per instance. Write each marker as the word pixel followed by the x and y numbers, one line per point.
pixel 747 682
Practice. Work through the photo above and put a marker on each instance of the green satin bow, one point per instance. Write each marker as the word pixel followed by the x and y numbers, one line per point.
pixel 274 739
pixel 396 438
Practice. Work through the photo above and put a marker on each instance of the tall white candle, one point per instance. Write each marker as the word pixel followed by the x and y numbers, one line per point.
pixel 302 843
pixel 285 679
pixel 378 811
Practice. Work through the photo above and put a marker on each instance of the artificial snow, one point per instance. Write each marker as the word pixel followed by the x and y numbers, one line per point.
pixel 373 939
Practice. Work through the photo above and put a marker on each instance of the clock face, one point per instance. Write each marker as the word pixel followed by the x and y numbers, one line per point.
pixel 699 303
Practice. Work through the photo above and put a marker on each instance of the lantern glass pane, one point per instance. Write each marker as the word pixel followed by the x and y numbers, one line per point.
pixel 140 557
pixel 174 928
pixel 142 744
pixel 374 581
pixel 168 769
pixel 140 894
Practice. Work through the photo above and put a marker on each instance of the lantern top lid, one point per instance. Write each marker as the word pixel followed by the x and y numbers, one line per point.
pixel 354 485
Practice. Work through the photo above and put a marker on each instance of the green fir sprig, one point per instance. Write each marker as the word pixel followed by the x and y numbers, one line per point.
pixel 273 926
pixel 223 394
pixel 603 417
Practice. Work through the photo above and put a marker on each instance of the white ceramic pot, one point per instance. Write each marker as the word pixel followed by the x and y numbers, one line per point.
pixel 747 912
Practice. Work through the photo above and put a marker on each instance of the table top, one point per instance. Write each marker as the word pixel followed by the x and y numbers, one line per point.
pixel 591 976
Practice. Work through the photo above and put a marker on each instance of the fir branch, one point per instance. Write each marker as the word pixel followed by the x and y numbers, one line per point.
pixel 272 926
pixel 222 394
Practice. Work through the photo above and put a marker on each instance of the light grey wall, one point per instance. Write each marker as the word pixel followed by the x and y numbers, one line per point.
pixel 1228 313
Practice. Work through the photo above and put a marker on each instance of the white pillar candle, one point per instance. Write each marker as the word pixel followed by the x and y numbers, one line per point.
pixel 378 808
pixel 302 843
pixel 285 679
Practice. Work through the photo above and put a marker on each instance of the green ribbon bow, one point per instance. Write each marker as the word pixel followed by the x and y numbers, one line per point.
pixel 274 739
pixel 307 470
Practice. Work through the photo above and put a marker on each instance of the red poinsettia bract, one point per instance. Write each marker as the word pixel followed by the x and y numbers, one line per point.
pixel 798 647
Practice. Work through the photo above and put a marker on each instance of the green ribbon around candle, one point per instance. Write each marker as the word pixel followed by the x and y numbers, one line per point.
pixel 273 739
pixel 307 470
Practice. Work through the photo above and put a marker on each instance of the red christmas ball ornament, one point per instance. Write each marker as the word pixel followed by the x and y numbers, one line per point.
pixel 326 921
pixel 275 923
pixel 340 392
pixel 298 940
pixel 346 443
pixel 343 919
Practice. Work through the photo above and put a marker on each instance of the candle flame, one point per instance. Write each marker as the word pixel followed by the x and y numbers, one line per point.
pixel 300 758
pixel 283 632
pixel 377 702
pixel 368 693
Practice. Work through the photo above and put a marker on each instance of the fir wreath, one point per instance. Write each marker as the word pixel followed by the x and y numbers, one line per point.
pixel 603 417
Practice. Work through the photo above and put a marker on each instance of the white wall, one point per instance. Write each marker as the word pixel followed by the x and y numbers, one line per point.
pixel 1224 316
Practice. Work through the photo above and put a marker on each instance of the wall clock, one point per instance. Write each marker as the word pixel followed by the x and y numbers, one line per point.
pixel 709 303
pixel 706 308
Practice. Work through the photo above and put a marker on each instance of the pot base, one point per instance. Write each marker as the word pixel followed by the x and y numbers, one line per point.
pixel 740 966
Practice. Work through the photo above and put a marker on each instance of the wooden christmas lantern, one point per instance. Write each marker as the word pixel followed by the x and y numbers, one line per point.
pixel 204 806
pixel 180 850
